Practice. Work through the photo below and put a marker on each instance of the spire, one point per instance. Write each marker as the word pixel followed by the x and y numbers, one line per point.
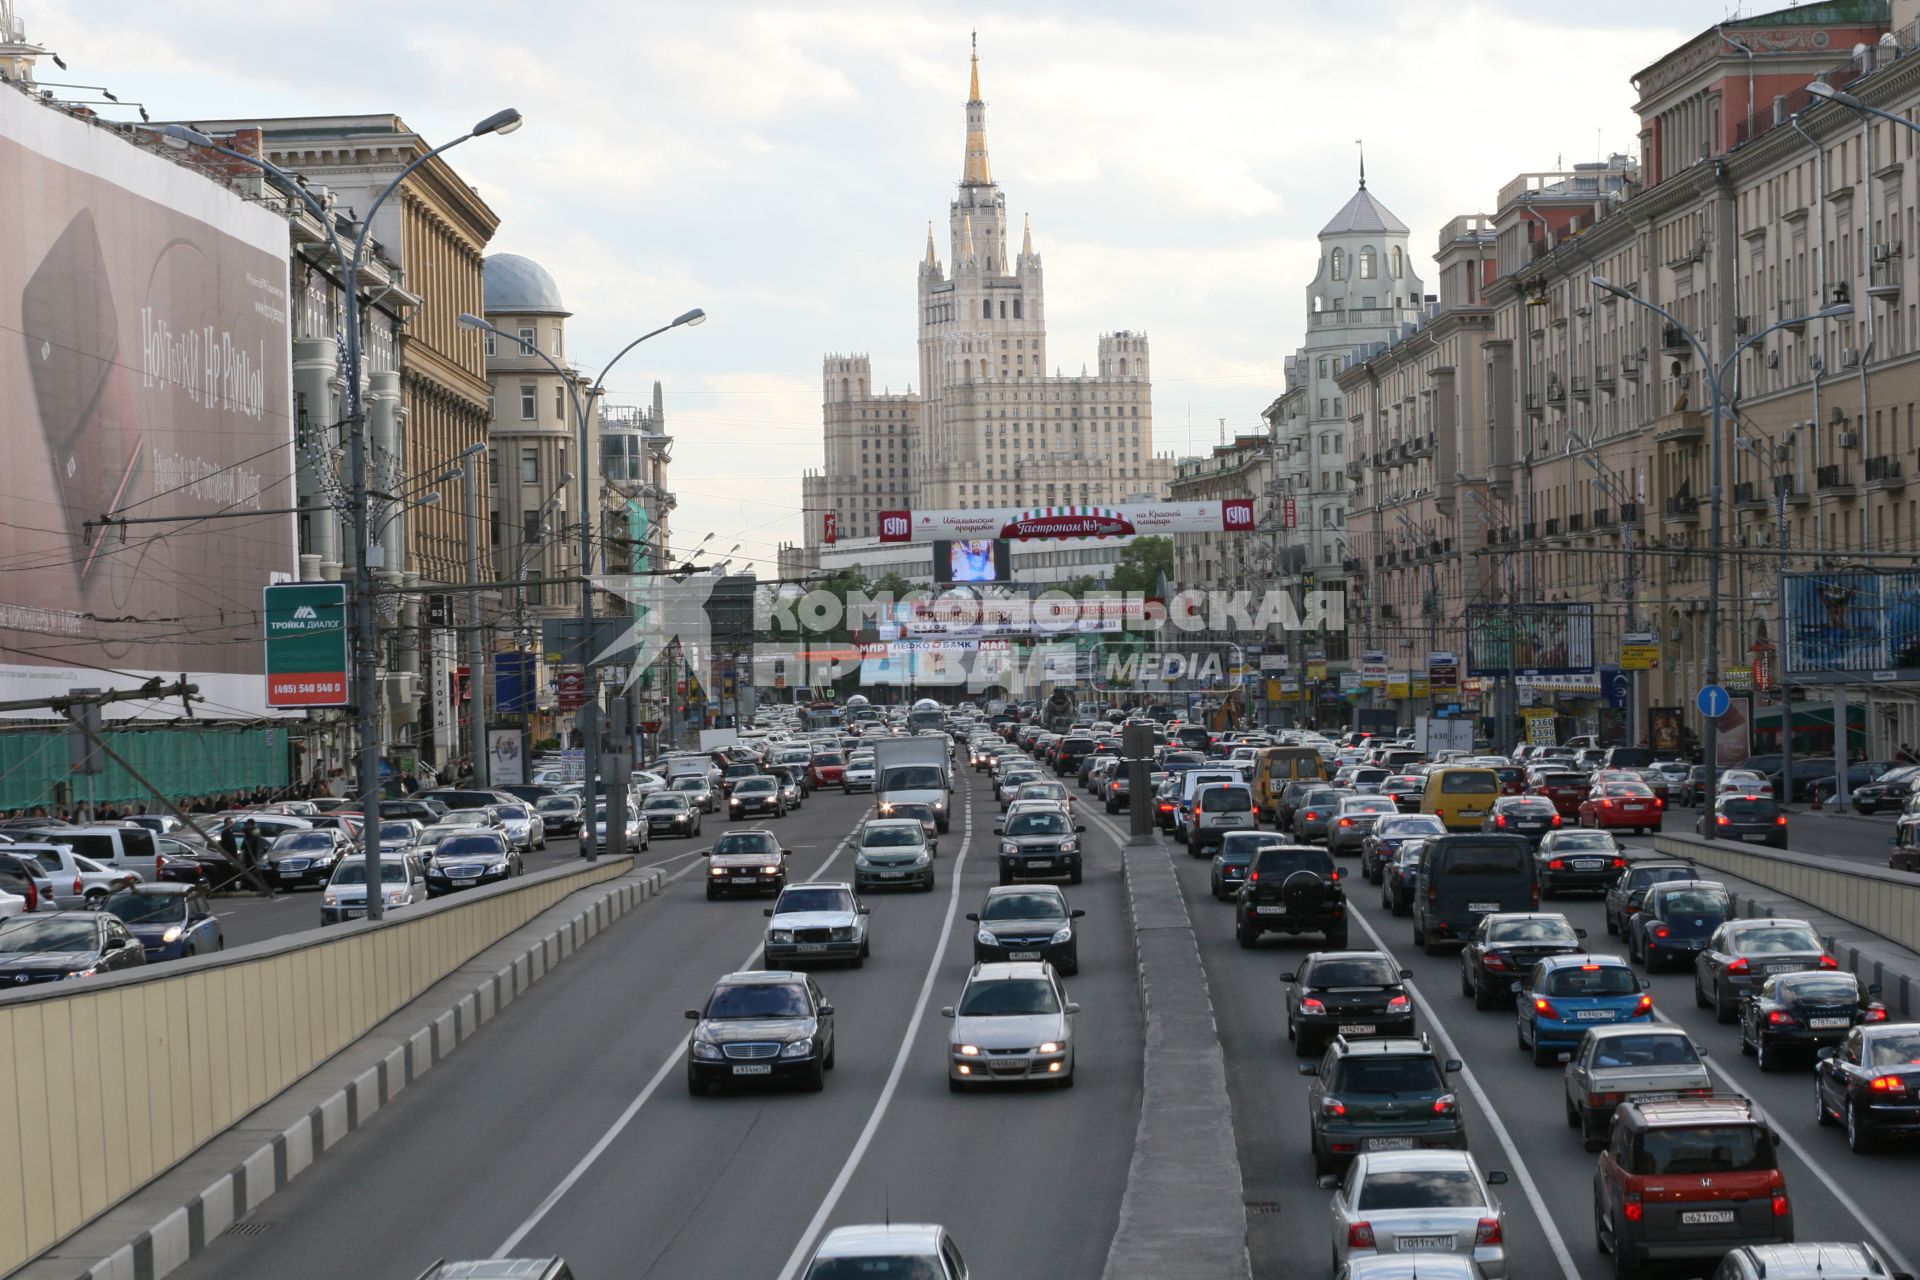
pixel 1026 239
pixel 966 237
pixel 931 260
pixel 1363 162
pixel 978 172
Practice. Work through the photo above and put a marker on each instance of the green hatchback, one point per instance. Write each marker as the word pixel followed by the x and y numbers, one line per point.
pixel 1380 1095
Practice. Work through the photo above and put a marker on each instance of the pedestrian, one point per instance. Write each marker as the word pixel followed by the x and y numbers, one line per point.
pixel 251 846
pixel 228 843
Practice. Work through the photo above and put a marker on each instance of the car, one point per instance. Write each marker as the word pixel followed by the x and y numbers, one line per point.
pixel 908 1250
pixel 1866 1083
pixel 698 791
pixel 1687 1180
pixel 1463 876
pixel 759 793
pixel 1291 797
pixel 1411 1202
pixel 470 859
pixel 1742 954
pixel 893 853
pixel 1388 1094
pixel 499 1269
pixel 1042 843
pixel 1628 805
pixel 1798 1014
pixel 1629 1062
pixel 1398 877
pixel 1013 1024
pixel 66 879
pixel 764 1026
pixel 1565 788
pixel 923 812
pixel 170 921
pixel 1569 858
pixel 793 785
pixel 306 857
pixel 1345 993
pixel 816 920
pixel 1009 781
pixel 1404 789
pixel 1564 995
pixel 1117 793
pixel 1825 1260
pixel 751 861
pixel 1743 782
pixel 1534 817
pixel 1410 1266
pixel 639 836
pixel 1234 857
pixel 1166 804
pixel 53 946
pixel 1741 815
pixel 1292 889
pixel 1387 834
pixel 1675 920
pixel 402 884
pixel 1629 888
pixel 1506 945
pixel 827 769
pixel 1315 815
pixel 1042 789
pixel 1215 809
pixel 526 829
pixel 1353 821
pixel 1889 791
pixel 858 775
pixel 1027 922
pixel 397 835
pixel 670 813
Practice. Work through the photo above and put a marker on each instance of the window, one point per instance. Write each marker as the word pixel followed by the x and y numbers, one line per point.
pixel 986 309
pixel 557 347
pixel 493 470
pixel 560 404
pixel 526 342
pixel 530 526
pixel 1369 263
pixel 1016 308
pixel 1339 266
pixel 530 466
pixel 529 408
pixel 489 336
pixel 1398 266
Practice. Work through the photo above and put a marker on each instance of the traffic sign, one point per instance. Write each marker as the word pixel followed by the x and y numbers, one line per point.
pixel 1714 701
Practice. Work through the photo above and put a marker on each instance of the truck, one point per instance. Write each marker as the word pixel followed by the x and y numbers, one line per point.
pixel 915 770
pixel 927 714
pixel 1433 734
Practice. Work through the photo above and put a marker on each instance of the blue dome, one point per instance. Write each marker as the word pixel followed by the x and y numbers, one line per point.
pixel 520 286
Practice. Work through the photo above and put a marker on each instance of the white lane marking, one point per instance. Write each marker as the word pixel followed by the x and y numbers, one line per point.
pixel 1847 1202
pixel 614 1130
pixel 799 1256
pixel 1554 1239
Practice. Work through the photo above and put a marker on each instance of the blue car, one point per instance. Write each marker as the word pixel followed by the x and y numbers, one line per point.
pixel 1563 996
pixel 172 921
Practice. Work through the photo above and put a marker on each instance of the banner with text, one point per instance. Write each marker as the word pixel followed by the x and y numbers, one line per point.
pixel 1229 515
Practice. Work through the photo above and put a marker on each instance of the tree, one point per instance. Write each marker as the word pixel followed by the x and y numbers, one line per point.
pixel 1142 565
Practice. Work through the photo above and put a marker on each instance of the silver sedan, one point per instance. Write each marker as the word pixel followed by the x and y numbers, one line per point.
pixel 1353 821
pixel 1434 1201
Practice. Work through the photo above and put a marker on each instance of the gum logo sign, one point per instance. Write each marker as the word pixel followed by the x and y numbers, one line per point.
pixel 306 635
pixel 896 526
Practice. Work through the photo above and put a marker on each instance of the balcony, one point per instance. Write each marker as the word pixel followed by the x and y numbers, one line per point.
pixel 1529 531
pixel 1630 370
pixel 1553 527
pixel 1353 564
pixel 1556 391
pixel 1420 446
pixel 1884 472
pixel 1673 340
pixel 1536 405
pixel 1603 377
pixel 1577 522
pixel 1791 487
pixel 1356 467
pixel 1684 508
pixel 1683 426
pixel 1748 497
pixel 1380 462
pixel 1581 391
pixel 1833 479
pixel 1631 513
pixel 1795 310
pixel 1600 515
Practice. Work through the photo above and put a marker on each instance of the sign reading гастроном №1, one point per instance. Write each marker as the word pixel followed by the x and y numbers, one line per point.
pixel 306 632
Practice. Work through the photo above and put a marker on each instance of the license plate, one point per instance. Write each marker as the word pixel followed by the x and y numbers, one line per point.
pixel 1783 968
pixel 1587 864
pixel 1424 1244
pixel 1357 1029
pixel 466 882
pixel 1023 955
pixel 813 946
pixel 1039 864
pixel 753 1069
pixel 1593 1015
pixel 1758 835
pixel 1389 1144
pixel 1706 1217
pixel 1270 911
pixel 1823 1024
pixel 1656 1097
pixel 741 880
pixel 1483 906
pixel 893 875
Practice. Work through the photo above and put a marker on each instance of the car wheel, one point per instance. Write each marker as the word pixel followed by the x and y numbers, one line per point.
pixel 1337 938
pixel 1613 926
pixel 1544 1056
pixel 928 886
pixel 1623 1267
pixel 1066 1081
pixel 1245 936
pixel 190 952
pixel 1767 1059
pixel 1429 946
pixel 866 947
pixel 1746 1045
pixel 1822 1116
pixel 1520 1035
pixel 1859 1137
pixel 1573 1112
pixel 1006 876
pixel 1466 986
pixel 833 1047
pixel 1484 998
pixel 1075 877
pixel 955 1085
pixel 1723 1008
pixel 96 898
pixel 1304 1047
pixel 1699 992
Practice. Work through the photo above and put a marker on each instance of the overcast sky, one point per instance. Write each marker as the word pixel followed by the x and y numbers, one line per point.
pixel 777 164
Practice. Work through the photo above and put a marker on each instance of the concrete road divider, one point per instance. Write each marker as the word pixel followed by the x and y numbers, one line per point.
pixel 1880 900
pixel 131 1074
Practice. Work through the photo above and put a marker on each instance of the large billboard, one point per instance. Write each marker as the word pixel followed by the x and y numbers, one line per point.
pixel 1230 515
pixel 1530 639
pixel 1853 625
pixel 144 369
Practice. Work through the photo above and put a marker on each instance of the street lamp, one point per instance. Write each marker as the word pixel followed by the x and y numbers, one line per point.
pixel 365 620
pixel 615 831
pixel 1715 374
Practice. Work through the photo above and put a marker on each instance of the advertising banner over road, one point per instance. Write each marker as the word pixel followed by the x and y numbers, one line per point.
pixel 1530 639
pixel 144 367
pixel 1858 625
pixel 1230 515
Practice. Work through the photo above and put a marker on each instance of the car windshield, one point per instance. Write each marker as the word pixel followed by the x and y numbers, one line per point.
pixel 887 837
pixel 1367 804
pixel 1042 791
pixel 1420 1189
pixel 758 1000
pixel 355 872
pixel 1358 971
pixel 1728 1148
pixel 813 900
pixel 689 784
pixel 1470 782
pixel 468 846
pixel 1743 809
pixel 665 800
pixel 1696 902
pixel 1388 1075
pixel 1573 841
pixel 1275 865
pixel 1525 804
pixel 512 812
pixel 1483 858
pixel 871 1267
pixel 1325 796
pixel 1773 940
pixel 914 777
pixel 1557 780
pixel 301 841
pixel 135 907
pixel 1530 931
pixel 1027 905
pixel 48 935
pixel 1008 997
pixel 1037 824
pixel 1894 1049
pixel 1649 1050
pixel 1819 988
pixel 746 842
pixel 1226 800
pixel 1593 980
pixel 396 831
pixel 830 759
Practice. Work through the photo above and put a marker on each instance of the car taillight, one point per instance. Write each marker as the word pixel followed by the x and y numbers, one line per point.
pixel 1494 960
pixel 1779 1018
pixel 1488 1232
pixel 159 866
pixel 1631 1208
pixel 1740 967
pixel 1661 931
pixel 1312 1005
pixel 1603 1099
pixel 1332 1107
pixel 1311 816
pixel 1645 1005
pixel 1780 821
pixel 1780 1206
pixel 1606 804
pixel 1888 1084
pixel 1399 1004
pixel 1723 820
pixel 1556 865
pixel 1658 803
pixel 1546 1010
pixel 1360 1235
pixel 79 887
pixel 1874 1013
pixel 1252 876
pixel 33 896
pixel 1556 817
pixel 1828 962
pixel 1445 1105
pixel 1619 864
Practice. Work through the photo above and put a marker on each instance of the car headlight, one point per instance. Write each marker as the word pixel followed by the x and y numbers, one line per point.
pixel 1069 846
pixel 772 871
pixel 1053 1046
pixel 967 1050
pixel 173 933
pixel 779 935
pixel 706 1050
pixel 1008 846
pixel 1062 936
pixel 860 860
pixel 716 871
pixel 84 973
pixel 986 939
pixel 395 897
pixel 329 898
pixel 798 1049
pixel 922 858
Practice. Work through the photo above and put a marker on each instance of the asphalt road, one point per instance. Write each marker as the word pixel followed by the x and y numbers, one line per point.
pixel 1514 1110
pixel 566 1127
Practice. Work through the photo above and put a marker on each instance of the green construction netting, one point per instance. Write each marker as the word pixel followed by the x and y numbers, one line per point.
pixel 179 762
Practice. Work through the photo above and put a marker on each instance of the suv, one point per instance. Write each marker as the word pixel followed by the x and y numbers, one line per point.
pixel 1070 752
pixel 1291 888
pixel 1380 1095
pixel 1688 1180
pixel 1852 1260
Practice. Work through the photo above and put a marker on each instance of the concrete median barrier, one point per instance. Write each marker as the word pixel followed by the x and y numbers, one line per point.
pixel 1882 901
pixel 130 1075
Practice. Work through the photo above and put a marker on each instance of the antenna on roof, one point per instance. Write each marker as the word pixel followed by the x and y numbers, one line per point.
pixel 1361 143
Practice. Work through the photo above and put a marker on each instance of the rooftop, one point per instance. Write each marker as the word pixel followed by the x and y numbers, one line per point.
pixel 1362 215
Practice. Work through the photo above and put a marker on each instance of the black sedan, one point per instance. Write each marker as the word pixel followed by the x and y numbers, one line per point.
pixel 1027 922
pixel 306 857
pixel 1388 834
pixel 1166 805
pixel 1888 792
pixel 1870 1083
pixel 54 946
pixel 760 793
pixel 469 860
pixel 1629 888
pixel 1754 819
pixel 1529 816
pixel 561 814
pixel 670 813
pixel 1346 993
pixel 761 1027
pixel 1505 946
pixel 1675 920
pixel 1798 1013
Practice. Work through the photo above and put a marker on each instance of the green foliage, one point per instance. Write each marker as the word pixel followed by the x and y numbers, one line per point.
pixel 1145 561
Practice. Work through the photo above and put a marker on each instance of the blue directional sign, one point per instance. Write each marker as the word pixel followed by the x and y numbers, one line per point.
pixel 1714 701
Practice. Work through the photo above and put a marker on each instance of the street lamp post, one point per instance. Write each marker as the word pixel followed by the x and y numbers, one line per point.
pixel 1715 374
pixel 365 620
pixel 588 468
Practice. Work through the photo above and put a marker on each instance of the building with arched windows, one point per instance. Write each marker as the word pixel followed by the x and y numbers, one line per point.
pixel 989 426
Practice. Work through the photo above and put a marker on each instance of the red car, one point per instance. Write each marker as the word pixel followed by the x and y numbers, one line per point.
pixel 827 769
pixel 1566 790
pixel 1622 804
pixel 1513 779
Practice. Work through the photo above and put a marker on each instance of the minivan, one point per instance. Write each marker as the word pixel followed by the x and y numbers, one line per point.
pixel 1461 795
pixel 1464 877
pixel 1276 768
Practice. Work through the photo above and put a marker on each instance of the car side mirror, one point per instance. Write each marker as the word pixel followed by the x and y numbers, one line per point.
pixel 1308 1068
pixel 1329 1181
pixel 1077 913
pixel 947 1012
pixel 1824 1053
pixel 1563 1058
pixel 1514 988
pixel 826 1011
pixel 974 916
pixel 1580 934
pixel 1496 1178
pixel 865 911
pixel 767 911
pixel 1451 1064
pixel 1072 1007
pixel 1289 977
pixel 1645 985
pixel 1874 989
pixel 1406 975
pixel 693 1015
pixel 999 831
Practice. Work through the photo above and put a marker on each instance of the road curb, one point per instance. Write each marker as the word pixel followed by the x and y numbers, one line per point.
pixel 1183 1216
pixel 182 1231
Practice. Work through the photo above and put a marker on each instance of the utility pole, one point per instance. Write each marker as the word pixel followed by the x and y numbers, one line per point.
pixel 476 641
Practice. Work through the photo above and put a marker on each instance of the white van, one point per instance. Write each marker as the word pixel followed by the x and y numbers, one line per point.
pixel 1190 781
